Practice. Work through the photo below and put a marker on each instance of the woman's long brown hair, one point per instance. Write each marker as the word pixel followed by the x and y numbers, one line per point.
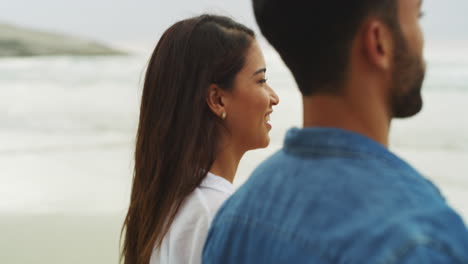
pixel 177 136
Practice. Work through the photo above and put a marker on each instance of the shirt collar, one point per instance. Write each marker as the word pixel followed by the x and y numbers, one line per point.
pixel 335 141
pixel 218 183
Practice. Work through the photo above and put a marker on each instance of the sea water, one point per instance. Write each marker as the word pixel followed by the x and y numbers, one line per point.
pixel 67 132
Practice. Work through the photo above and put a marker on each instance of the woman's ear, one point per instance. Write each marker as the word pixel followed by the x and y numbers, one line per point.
pixel 214 99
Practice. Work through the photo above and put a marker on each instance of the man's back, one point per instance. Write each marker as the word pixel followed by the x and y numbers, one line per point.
pixel 332 196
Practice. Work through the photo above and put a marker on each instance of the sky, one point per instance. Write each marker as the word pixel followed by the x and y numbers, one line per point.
pixel 141 22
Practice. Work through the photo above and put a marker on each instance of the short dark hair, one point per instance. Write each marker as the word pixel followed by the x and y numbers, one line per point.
pixel 314 37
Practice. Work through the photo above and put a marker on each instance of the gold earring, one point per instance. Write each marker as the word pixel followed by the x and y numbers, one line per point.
pixel 223 115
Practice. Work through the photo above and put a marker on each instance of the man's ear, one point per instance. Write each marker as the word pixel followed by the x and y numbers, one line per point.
pixel 214 99
pixel 378 44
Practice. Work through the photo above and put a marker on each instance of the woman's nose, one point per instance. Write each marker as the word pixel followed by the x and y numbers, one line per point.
pixel 274 97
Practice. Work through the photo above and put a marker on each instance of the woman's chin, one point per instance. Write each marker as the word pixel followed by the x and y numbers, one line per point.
pixel 265 142
pixel 260 143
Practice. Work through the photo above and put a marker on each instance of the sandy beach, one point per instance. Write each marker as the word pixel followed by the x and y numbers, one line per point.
pixel 59 238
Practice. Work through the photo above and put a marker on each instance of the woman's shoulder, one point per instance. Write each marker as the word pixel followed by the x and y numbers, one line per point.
pixel 203 203
pixel 184 241
pixel 185 238
pixel 212 192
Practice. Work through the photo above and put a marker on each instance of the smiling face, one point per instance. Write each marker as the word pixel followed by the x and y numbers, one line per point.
pixel 409 66
pixel 249 104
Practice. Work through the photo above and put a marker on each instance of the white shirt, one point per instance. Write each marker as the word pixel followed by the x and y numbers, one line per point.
pixel 183 244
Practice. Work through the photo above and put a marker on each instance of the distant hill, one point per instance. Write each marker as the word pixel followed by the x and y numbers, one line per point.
pixel 17 41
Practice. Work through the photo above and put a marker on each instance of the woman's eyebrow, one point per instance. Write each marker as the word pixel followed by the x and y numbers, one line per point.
pixel 259 71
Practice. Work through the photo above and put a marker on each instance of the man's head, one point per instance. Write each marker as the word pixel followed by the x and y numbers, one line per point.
pixel 315 39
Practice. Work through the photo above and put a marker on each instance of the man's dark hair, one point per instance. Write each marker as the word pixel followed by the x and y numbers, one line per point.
pixel 314 37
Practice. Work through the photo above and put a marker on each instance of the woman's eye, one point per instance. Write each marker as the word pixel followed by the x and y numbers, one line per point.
pixel 264 80
pixel 421 14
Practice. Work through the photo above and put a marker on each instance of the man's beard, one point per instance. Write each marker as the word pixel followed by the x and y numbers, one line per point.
pixel 408 77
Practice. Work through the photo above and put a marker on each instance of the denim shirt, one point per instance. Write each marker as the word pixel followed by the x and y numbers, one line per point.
pixel 333 196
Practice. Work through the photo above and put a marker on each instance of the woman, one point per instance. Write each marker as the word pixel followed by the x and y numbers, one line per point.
pixel 205 103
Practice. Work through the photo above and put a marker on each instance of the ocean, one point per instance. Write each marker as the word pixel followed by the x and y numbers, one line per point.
pixel 67 129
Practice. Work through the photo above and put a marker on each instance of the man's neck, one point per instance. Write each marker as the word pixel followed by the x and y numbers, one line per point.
pixel 369 118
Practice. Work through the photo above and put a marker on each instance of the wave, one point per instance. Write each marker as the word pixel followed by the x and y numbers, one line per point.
pixel 64 148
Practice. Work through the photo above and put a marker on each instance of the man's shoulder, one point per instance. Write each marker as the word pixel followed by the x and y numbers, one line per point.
pixel 332 184
pixel 312 206
pixel 391 240
pixel 435 229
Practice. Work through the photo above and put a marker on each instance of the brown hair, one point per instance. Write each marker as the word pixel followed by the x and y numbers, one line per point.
pixel 177 138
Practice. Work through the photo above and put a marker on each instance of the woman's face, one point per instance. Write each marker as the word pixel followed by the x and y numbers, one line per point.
pixel 249 104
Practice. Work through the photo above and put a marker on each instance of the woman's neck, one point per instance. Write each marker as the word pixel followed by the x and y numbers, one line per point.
pixel 226 163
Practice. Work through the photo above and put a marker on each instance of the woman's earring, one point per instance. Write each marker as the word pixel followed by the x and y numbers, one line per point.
pixel 223 115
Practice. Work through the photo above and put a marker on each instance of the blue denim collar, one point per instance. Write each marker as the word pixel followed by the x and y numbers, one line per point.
pixel 325 140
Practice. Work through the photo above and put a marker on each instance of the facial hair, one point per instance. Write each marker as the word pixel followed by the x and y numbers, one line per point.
pixel 408 76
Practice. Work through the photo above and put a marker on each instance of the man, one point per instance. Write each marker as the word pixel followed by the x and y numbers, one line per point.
pixel 334 193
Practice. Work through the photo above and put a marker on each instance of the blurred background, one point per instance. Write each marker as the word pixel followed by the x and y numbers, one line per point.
pixel 68 118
